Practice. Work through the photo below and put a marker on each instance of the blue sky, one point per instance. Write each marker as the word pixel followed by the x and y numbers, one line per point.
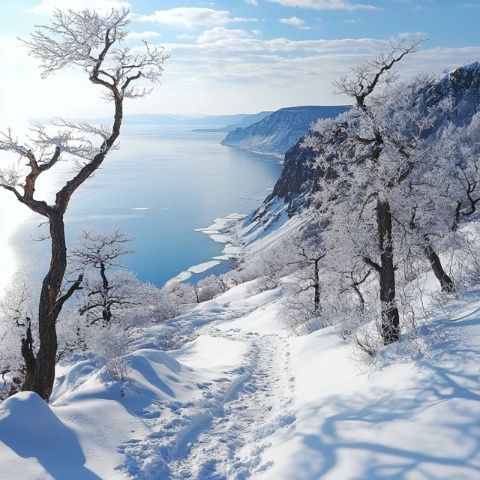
pixel 241 55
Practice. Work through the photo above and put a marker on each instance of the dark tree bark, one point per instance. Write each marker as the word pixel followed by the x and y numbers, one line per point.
pixel 446 282
pixel 361 300
pixel 390 316
pixel 315 260
pixel 316 285
pixel 356 288
pixel 107 310
pixel 40 374
pixel 40 370
pixel 28 356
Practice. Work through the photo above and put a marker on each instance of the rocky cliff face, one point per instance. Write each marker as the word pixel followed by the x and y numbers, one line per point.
pixel 297 178
pixel 277 132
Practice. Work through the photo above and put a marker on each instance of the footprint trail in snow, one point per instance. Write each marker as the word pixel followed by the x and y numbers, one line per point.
pixel 223 435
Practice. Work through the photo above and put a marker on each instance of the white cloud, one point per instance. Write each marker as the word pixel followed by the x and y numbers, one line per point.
pixel 143 35
pixel 294 21
pixel 47 6
pixel 190 17
pixel 223 70
pixel 252 2
pixel 223 36
pixel 207 78
pixel 325 4
pixel 185 36
pixel 256 71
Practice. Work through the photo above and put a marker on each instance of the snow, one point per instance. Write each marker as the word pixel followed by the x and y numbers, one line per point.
pixel 203 267
pixel 416 419
pixel 271 224
pixel 35 443
pixel 199 268
pixel 241 398
pixel 223 230
pixel 212 352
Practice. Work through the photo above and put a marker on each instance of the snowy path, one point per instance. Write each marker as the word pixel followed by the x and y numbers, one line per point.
pixel 223 435
pixel 255 407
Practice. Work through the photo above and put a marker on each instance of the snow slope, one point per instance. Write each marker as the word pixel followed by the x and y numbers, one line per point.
pixel 240 398
pixel 417 419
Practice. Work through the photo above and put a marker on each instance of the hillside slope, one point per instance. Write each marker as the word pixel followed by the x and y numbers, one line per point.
pixel 244 399
pixel 277 132
pixel 297 178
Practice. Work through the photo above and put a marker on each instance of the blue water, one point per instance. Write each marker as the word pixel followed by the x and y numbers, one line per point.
pixel 158 188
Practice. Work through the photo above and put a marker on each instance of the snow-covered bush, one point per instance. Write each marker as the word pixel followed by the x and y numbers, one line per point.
pixel 180 293
pixel 297 311
pixel 210 287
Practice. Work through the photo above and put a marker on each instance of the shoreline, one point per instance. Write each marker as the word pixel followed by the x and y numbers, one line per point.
pixel 279 156
pixel 223 230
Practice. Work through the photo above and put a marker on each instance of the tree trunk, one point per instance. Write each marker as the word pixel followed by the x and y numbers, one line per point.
pixel 445 281
pixel 361 300
pixel 390 316
pixel 106 311
pixel 316 287
pixel 28 356
pixel 44 375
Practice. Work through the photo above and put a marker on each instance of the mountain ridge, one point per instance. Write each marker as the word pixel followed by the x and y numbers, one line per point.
pixel 280 130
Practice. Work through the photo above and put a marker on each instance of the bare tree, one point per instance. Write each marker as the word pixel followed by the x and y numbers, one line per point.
pixel 102 294
pixel 310 258
pixel 94 43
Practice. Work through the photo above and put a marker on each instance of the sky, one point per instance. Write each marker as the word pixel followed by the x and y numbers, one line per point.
pixel 237 56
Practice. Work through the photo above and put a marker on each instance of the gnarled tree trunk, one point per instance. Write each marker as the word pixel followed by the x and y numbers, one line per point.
pixel 41 380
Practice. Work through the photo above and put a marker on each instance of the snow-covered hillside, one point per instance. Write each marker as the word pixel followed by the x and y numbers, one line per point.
pixel 298 179
pixel 277 132
pixel 242 398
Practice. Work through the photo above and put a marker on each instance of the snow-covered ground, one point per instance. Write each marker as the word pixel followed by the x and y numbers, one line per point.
pixel 241 398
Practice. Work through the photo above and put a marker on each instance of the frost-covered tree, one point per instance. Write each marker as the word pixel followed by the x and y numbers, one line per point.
pixel 456 154
pixel 409 114
pixel 16 335
pixel 445 191
pixel 103 290
pixel 93 43
pixel 370 165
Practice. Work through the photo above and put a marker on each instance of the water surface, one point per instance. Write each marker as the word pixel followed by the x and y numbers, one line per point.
pixel 158 188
